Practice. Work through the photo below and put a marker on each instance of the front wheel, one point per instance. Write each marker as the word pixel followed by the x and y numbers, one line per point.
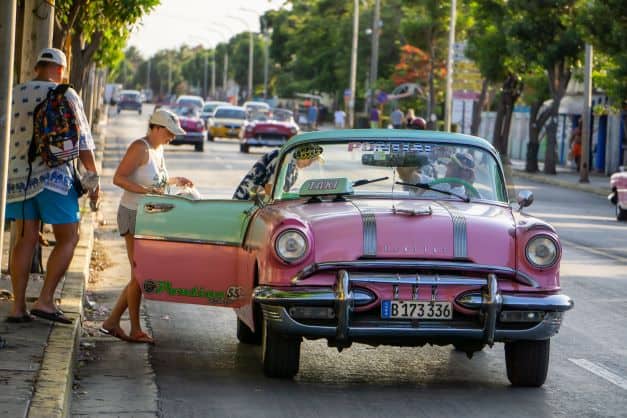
pixel 281 353
pixel 246 336
pixel 199 147
pixel 527 362
pixel 244 148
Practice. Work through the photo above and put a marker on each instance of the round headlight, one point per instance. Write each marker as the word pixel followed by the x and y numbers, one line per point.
pixel 291 246
pixel 541 251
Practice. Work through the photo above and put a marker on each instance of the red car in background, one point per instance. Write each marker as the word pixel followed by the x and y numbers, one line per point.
pixel 618 196
pixel 269 129
pixel 193 125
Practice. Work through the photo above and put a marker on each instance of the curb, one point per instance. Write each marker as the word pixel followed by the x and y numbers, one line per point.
pixel 52 392
pixel 53 388
pixel 562 183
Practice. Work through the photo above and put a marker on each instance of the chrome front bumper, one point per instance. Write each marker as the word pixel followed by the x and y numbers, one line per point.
pixel 343 299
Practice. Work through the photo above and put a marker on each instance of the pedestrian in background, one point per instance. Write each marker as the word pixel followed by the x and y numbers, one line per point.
pixel 339 118
pixel 141 171
pixel 312 116
pixel 575 144
pixel 396 118
pixel 374 117
pixel 409 117
pixel 39 193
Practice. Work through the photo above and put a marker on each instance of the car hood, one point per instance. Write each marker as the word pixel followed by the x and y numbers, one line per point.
pixel 229 121
pixel 427 229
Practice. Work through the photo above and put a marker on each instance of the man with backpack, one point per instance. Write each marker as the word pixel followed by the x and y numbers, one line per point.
pixel 43 185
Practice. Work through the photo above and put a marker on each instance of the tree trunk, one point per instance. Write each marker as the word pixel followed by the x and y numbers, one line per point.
pixel 82 55
pixel 559 76
pixel 431 125
pixel 478 106
pixel 537 120
pixel 512 88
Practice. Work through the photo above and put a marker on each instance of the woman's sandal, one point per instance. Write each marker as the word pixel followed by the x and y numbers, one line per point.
pixel 141 337
pixel 115 332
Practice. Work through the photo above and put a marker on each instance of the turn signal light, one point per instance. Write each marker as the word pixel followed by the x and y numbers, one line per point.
pixel 311 312
pixel 521 316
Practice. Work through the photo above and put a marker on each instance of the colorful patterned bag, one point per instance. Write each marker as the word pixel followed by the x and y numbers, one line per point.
pixel 55 129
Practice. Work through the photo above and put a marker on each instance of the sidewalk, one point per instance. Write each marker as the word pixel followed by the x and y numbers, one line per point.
pixel 37 362
pixel 566 177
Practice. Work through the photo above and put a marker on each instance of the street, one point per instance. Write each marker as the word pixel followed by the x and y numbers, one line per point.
pixel 200 369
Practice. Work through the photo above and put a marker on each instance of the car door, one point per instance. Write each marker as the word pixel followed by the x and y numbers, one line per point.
pixel 190 251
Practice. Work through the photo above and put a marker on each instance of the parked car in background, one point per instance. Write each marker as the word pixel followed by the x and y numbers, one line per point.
pixel 254 106
pixel 374 236
pixel 190 101
pixel 226 122
pixel 618 196
pixel 210 107
pixel 193 125
pixel 129 100
pixel 269 129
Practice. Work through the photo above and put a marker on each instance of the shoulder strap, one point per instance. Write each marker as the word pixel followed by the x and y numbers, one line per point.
pixel 61 88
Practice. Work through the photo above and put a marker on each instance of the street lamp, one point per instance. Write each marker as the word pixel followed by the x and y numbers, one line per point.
pixel 250 55
pixel 225 68
pixel 353 73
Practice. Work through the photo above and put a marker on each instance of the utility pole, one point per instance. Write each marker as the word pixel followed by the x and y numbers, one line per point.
pixel 449 68
pixel 374 54
pixel 213 73
pixel 250 66
pixel 266 39
pixel 584 168
pixel 7 47
pixel 148 74
pixel 169 74
pixel 353 74
pixel 226 70
pixel 204 85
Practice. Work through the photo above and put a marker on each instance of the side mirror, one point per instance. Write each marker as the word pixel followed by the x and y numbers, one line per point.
pixel 525 198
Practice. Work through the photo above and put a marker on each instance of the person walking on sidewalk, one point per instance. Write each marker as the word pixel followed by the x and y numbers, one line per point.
pixel 42 194
pixel 141 171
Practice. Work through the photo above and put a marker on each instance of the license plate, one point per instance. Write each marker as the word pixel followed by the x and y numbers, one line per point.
pixel 414 309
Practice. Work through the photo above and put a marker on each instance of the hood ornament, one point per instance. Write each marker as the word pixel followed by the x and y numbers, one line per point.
pixel 421 211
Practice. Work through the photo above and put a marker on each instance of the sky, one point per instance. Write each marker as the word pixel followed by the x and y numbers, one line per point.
pixel 193 22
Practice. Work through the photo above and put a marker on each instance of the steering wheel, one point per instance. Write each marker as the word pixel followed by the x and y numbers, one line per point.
pixel 454 180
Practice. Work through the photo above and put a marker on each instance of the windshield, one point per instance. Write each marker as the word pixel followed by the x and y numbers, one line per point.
pixel 209 108
pixel 444 171
pixel 189 102
pixel 186 111
pixel 282 115
pixel 230 114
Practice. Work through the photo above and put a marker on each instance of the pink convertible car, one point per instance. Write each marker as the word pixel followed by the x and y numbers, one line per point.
pixel 618 196
pixel 390 237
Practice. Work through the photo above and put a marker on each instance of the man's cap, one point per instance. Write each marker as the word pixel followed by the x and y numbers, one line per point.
pixel 53 55
pixel 464 160
pixel 418 123
pixel 168 120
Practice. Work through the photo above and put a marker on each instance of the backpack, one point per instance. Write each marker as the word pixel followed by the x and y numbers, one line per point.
pixel 55 130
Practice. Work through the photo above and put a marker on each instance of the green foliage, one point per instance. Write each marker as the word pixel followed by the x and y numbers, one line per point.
pixel 606 25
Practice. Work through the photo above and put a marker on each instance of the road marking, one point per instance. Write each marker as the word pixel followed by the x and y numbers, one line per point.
pixel 594 251
pixel 601 372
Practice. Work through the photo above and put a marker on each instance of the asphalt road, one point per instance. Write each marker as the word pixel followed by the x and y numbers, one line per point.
pixel 202 371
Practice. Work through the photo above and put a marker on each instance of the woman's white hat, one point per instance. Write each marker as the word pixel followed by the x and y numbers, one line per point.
pixel 168 120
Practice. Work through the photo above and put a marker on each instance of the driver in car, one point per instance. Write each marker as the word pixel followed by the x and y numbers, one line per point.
pixel 461 165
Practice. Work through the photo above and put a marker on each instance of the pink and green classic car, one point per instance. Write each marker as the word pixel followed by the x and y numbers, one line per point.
pixel 391 237
pixel 618 196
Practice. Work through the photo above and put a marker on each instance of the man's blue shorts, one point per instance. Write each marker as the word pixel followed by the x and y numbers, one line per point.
pixel 51 207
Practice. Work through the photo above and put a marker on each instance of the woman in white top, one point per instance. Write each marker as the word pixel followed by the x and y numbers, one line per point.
pixel 141 171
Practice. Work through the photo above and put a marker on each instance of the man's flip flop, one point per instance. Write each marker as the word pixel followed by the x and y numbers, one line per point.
pixel 19 319
pixel 51 316
pixel 115 332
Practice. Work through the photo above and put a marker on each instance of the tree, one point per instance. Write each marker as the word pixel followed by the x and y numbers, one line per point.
pixel 548 34
pixel 425 24
pixel 605 23
pixel 536 92
pixel 86 27
pixel 489 47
